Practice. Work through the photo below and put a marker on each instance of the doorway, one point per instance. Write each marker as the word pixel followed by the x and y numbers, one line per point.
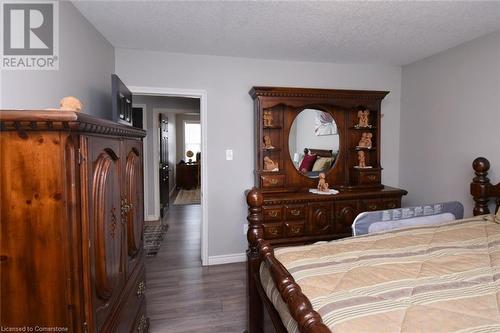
pixel 161 175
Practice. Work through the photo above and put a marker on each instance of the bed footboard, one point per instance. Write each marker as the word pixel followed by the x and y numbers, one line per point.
pixel 482 189
pixel 308 320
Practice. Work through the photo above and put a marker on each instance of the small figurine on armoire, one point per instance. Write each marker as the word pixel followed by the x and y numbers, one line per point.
pixel 361 159
pixel 322 184
pixel 267 142
pixel 366 140
pixel 270 165
pixel 363 121
pixel 268 119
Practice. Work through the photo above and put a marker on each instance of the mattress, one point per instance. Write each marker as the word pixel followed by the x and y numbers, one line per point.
pixel 443 278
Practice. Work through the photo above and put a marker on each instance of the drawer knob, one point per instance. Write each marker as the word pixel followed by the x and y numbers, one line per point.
pixel 273 213
pixel 142 325
pixel 372 177
pixel 273 231
pixel 391 205
pixel 273 181
pixel 296 229
pixel 141 288
pixel 295 212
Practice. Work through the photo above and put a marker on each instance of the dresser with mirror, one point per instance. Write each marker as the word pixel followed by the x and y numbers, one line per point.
pixel 302 135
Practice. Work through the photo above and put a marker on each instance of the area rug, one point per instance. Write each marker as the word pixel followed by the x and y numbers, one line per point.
pixel 154 233
pixel 188 197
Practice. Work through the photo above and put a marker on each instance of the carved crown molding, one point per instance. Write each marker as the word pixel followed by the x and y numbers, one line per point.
pixel 28 120
pixel 317 93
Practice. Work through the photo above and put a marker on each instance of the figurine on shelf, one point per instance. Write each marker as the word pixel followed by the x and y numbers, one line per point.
pixel 366 140
pixel 270 165
pixel 267 142
pixel 69 103
pixel 322 184
pixel 363 119
pixel 268 119
pixel 361 159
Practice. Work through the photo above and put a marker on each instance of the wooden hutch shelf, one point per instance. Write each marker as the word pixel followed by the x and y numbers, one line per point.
pixel 291 213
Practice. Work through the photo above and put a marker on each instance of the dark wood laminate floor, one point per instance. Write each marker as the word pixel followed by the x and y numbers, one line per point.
pixel 182 295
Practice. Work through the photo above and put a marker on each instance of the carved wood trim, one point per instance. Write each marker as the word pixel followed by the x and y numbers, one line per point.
pixel 130 174
pixel 36 120
pixel 316 93
pixel 482 189
pixel 298 304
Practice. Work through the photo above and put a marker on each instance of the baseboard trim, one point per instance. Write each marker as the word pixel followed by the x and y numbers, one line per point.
pixel 227 259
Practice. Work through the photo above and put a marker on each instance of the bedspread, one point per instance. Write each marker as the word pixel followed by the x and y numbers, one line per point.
pixel 442 278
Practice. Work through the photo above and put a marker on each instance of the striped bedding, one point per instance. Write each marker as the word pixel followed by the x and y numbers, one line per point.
pixel 442 278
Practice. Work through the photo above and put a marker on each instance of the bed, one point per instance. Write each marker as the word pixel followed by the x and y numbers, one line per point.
pixel 443 278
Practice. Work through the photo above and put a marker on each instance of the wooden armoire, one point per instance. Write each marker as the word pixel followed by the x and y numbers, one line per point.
pixel 71 252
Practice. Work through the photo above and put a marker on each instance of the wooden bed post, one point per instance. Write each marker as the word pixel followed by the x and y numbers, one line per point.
pixel 255 232
pixel 480 186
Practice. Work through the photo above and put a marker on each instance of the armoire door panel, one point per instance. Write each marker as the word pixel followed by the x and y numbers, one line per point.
pixel 108 234
pixel 133 205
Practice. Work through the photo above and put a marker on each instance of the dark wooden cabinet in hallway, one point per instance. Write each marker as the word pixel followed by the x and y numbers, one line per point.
pixel 182 295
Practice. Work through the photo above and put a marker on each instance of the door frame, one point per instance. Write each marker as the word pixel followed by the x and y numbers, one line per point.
pixel 202 96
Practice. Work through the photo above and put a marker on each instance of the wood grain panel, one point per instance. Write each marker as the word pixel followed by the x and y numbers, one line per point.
pixel 33 214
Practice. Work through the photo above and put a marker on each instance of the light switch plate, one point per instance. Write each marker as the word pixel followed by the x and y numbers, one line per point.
pixel 229 154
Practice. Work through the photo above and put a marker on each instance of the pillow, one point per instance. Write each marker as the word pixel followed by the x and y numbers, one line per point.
pixel 322 164
pixel 307 163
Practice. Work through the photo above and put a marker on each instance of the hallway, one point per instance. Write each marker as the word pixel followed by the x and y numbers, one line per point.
pixel 183 296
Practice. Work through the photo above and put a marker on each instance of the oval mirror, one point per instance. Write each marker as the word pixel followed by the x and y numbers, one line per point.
pixel 313 142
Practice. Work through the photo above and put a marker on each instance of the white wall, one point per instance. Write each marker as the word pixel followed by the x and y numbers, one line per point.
pixel 230 118
pixel 450 115
pixel 87 61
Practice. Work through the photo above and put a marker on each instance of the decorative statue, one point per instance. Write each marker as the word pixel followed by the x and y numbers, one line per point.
pixel 366 140
pixel 267 142
pixel 322 184
pixel 270 165
pixel 268 119
pixel 363 118
pixel 70 103
pixel 361 159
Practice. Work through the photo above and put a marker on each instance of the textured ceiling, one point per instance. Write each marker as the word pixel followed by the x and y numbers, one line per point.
pixel 389 32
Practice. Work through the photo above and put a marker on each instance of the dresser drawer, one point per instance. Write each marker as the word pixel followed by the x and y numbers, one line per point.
pixel 345 213
pixel 270 181
pixel 272 213
pixel 391 203
pixel 320 218
pixel 369 177
pixel 295 212
pixel 136 300
pixel 371 205
pixel 273 230
pixel 295 229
